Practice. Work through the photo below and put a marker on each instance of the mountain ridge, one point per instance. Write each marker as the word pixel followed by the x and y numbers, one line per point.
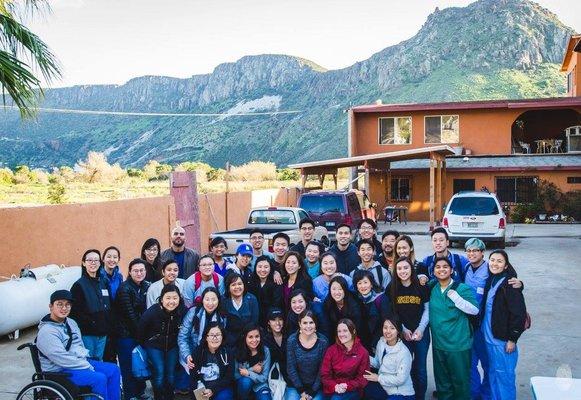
pixel 448 59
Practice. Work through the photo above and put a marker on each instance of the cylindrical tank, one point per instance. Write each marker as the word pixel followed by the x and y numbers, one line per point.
pixel 24 301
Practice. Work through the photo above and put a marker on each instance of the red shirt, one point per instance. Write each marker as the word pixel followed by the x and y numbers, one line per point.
pixel 344 366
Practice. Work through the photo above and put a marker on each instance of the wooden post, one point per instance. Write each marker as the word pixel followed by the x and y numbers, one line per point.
pixel 183 188
pixel 335 179
pixel 366 166
pixel 321 179
pixel 303 178
pixel 444 179
pixel 226 179
pixel 438 191
pixel 388 185
pixel 432 187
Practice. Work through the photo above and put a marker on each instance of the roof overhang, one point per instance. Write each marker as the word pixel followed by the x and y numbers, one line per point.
pixel 573 45
pixel 328 165
pixel 554 102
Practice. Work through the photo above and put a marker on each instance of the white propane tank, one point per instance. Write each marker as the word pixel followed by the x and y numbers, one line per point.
pixel 24 301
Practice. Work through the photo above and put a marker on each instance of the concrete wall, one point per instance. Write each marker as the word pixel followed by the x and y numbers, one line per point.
pixel 419 206
pixel 60 234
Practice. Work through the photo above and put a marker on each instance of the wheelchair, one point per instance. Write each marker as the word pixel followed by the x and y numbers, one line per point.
pixel 52 385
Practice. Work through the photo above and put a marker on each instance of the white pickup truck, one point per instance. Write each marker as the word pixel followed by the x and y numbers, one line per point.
pixel 271 220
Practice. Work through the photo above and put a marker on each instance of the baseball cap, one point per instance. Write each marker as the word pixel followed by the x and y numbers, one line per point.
pixel 274 313
pixel 244 249
pixel 61 295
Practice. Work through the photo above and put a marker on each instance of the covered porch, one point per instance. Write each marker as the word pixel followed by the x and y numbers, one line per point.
pixel 377 173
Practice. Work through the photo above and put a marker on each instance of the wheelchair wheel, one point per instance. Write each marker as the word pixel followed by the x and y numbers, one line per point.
pixel 44 390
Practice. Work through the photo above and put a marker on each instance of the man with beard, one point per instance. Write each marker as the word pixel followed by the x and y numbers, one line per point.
pixel 387 255
pixel 345 252
pixel 186 259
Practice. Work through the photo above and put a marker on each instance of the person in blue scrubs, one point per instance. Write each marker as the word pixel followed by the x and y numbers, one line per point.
pixel 503 321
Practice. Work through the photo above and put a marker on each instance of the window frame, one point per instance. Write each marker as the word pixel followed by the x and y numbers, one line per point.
pixel 399 178
pixel 574 180
pixel 441 116
pixel 394 118
pixel 515 189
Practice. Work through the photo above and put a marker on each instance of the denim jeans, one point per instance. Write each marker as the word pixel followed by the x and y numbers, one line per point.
pixel 105 380
pixel 419 372
pixel 244 390
pixel 163 368
pixel 224 394
pixel 96 346
pixel 292 394
pixel 131 387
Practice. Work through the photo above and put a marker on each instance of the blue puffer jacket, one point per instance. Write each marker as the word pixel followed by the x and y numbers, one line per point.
pixel 115 280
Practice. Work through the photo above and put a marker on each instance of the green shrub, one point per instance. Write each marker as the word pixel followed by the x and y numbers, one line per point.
pixel 135 172
pixel 571 204
pixel 521 212
pixel 215 174
pixel 6 176
pixel 56 193
pixel 288 174
pixel 549 195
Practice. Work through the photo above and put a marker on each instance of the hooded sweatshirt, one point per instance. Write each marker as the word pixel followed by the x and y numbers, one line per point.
pixel 51 342
pixel 345 366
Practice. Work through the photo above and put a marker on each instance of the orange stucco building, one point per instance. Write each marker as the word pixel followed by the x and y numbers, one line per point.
pixel 418 155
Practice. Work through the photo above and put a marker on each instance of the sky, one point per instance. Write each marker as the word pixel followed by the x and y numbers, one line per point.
pixel 112 41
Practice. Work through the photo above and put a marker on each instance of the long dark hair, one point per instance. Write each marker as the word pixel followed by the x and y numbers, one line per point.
pixel 349 300
pixel 211 289
pixel 157 261
pixel 255 279
pixel 396 282
pixel 510 271
pixel 243 354
pixel 301 273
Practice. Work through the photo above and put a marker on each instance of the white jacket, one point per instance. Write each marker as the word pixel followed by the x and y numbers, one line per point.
pixel 394 368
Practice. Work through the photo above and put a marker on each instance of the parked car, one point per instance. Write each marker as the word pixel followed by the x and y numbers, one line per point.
pixel 271 220
pixel 331 208
pixel 475 214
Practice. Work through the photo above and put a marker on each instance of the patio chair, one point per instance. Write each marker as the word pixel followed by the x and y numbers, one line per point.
pixel 525 146
pixel 556 147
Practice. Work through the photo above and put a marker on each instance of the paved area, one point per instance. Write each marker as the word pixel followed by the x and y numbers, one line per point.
pixel 549 268
pixel 514 231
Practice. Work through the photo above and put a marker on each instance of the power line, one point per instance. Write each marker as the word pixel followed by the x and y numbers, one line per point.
pixel 149 114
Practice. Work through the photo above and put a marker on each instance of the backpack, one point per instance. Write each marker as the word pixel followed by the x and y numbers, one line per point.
pixel 473 319
pixel 198 283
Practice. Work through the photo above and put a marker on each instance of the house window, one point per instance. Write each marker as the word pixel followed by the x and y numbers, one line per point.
pixel 574 179
pixel 400 188
pixel 516 189
pixel 464 185
pixel 396 130
pixel 442 129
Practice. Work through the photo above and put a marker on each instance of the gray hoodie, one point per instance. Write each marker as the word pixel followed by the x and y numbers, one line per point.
pixel 51 341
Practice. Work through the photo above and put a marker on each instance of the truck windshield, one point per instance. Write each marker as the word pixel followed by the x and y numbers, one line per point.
pixel 322 204
pixel 473 206
pixel 272 217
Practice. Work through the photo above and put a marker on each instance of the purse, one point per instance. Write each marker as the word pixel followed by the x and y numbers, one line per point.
pixel 140 363
pixel 276 382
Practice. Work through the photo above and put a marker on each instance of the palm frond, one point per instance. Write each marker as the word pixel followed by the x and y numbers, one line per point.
pixel 19 82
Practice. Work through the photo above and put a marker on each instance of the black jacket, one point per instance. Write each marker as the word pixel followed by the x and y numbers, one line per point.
pixel 374 312
pixel 268 296
pixel 277 353
pixel 130 304
pixel 508 309
pixel 92 305
pixel 158 328
pixel 353 309
pixel 225 363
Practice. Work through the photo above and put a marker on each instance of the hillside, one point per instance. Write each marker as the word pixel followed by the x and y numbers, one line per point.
pixel 490 49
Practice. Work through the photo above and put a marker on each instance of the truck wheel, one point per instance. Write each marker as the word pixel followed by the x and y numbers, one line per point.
pixel 325 241
pixel 502 244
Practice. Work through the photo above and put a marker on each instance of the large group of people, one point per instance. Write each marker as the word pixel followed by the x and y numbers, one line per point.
pixel 353 321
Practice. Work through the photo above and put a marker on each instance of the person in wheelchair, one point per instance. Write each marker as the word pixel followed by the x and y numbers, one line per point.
pixel 61 349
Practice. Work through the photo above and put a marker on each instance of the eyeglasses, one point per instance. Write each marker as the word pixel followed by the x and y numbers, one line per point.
pixel 257 238
pixel 366 228
pixel 214 336
pixel 92 260
pixel 473 251
pixel 154 250
pixel 138 271
pixel 63 306
pixel 307 228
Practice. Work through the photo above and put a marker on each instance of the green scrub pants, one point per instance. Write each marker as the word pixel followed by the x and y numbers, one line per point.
pixel 452 374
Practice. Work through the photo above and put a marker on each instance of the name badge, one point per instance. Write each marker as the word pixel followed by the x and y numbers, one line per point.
pixel 480 290
pixel 104 292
